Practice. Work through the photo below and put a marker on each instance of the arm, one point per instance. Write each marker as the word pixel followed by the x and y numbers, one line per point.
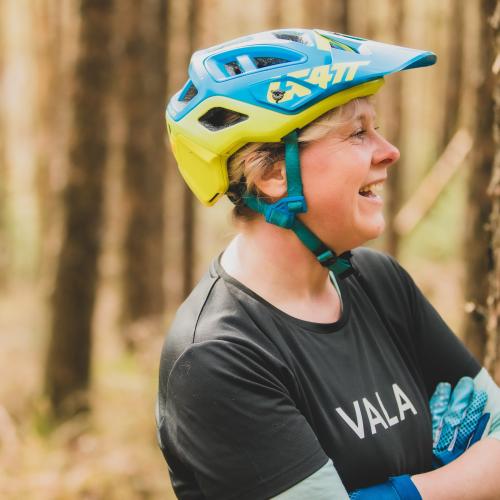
pixel 474 475
pixel 230 429
pixel 483 459
pixel 444 358
pixel 460 413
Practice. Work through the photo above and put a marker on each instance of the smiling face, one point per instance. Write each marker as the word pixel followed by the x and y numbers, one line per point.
pixel 342 174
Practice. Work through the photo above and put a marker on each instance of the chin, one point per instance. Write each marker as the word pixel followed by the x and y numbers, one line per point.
pixel 372 231
pixel 351 235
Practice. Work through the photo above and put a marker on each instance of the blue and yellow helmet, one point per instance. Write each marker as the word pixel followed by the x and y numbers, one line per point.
pixel 261 87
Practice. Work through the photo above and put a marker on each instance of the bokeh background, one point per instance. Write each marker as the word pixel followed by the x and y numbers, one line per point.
pixel 100 241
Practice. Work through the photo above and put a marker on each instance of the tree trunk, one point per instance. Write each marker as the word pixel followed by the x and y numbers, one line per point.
pixel 359 19
pixel 3 171
pixel 183 29
pixel 189 222
pixel 327 15
pixel 275 14
pixel 391 102
pixel 478 251
pixel 57 25
pixel 188 240
pixel 68 364
pixel 144 75
pixel 48 25
pixel 455 73
pixel 492 361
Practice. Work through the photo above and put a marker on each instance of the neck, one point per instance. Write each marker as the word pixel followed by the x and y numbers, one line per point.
pixel 273 261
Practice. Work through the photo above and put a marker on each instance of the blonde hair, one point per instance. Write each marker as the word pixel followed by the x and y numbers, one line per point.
pixel 254 160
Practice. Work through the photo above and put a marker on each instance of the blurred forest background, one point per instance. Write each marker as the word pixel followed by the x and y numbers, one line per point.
pixel 100 241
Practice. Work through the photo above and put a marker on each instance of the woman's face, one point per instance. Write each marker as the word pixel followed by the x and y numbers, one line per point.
pixel 342 174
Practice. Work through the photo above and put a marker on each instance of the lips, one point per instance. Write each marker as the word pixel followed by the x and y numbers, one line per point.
pixel 373 190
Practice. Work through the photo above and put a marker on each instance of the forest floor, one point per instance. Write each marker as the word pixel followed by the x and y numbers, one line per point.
pixel 110 454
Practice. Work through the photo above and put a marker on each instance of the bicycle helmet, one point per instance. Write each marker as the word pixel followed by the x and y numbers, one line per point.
pixel 263 88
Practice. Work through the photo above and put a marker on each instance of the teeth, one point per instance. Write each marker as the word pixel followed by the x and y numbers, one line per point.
pixel 375 188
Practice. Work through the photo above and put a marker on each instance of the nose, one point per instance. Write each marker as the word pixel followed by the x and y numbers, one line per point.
pixel 385 153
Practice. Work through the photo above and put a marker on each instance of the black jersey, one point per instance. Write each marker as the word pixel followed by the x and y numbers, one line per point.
pixel 252 400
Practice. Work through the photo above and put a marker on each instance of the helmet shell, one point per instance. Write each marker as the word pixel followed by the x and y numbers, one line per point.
pixel 261 87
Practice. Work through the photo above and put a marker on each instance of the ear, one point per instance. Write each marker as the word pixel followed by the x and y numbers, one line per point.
pixel 273 182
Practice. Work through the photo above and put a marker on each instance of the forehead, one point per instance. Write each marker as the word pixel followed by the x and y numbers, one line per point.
pixel 338 119
pixel 359 109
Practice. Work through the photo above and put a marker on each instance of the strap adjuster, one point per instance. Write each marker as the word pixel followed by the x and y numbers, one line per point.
pixel 283 212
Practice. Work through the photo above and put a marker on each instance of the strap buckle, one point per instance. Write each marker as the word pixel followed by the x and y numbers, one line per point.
pixel 339 264
pixel 327 258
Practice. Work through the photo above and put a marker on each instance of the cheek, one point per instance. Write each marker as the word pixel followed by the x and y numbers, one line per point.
pixel 330 204
pixel 331 180
pixel 338 188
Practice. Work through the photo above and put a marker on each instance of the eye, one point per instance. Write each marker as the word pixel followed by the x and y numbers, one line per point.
pixel 360 133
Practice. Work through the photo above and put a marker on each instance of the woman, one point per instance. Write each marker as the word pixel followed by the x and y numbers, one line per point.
pixel 301 365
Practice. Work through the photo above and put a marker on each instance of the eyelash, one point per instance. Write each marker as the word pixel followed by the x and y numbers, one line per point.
pixel 362 132
pixel 359 133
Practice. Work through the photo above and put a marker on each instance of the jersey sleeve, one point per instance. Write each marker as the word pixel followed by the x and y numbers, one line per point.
pixel 442 355
pixel 324 484
pixel 231 420
pixel 484 382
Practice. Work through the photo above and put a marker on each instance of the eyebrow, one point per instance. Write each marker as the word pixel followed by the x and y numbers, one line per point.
pixel 363 116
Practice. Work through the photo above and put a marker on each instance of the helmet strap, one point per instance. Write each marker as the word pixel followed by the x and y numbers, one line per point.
pixel 284 212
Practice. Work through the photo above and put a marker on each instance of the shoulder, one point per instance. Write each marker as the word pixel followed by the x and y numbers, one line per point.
pixel 216 325
pixel 232 360
pixel 373 261
pixel 208 303
pixel 183 327
pixel 385 281
pixel 222 375
pixel 379 267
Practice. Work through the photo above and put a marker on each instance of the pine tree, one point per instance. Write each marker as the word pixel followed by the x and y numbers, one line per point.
pixel 493 300
pixel 67 371
pixel 144 77
pixel 478 249
pixel 3 173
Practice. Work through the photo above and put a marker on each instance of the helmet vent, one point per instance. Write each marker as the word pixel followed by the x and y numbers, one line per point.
pixel 262 62
pixel 189 93
pixel 293 37
pixel 233 68
pixel 220 118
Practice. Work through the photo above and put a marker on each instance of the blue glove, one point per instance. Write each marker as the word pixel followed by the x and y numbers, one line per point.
pixel 457 419
pixel 397 488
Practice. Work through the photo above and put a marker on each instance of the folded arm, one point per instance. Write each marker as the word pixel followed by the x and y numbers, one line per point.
pixel 475 473
pixel 472 475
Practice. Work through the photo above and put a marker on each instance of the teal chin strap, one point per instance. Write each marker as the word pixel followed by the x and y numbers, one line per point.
pixel 284 212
